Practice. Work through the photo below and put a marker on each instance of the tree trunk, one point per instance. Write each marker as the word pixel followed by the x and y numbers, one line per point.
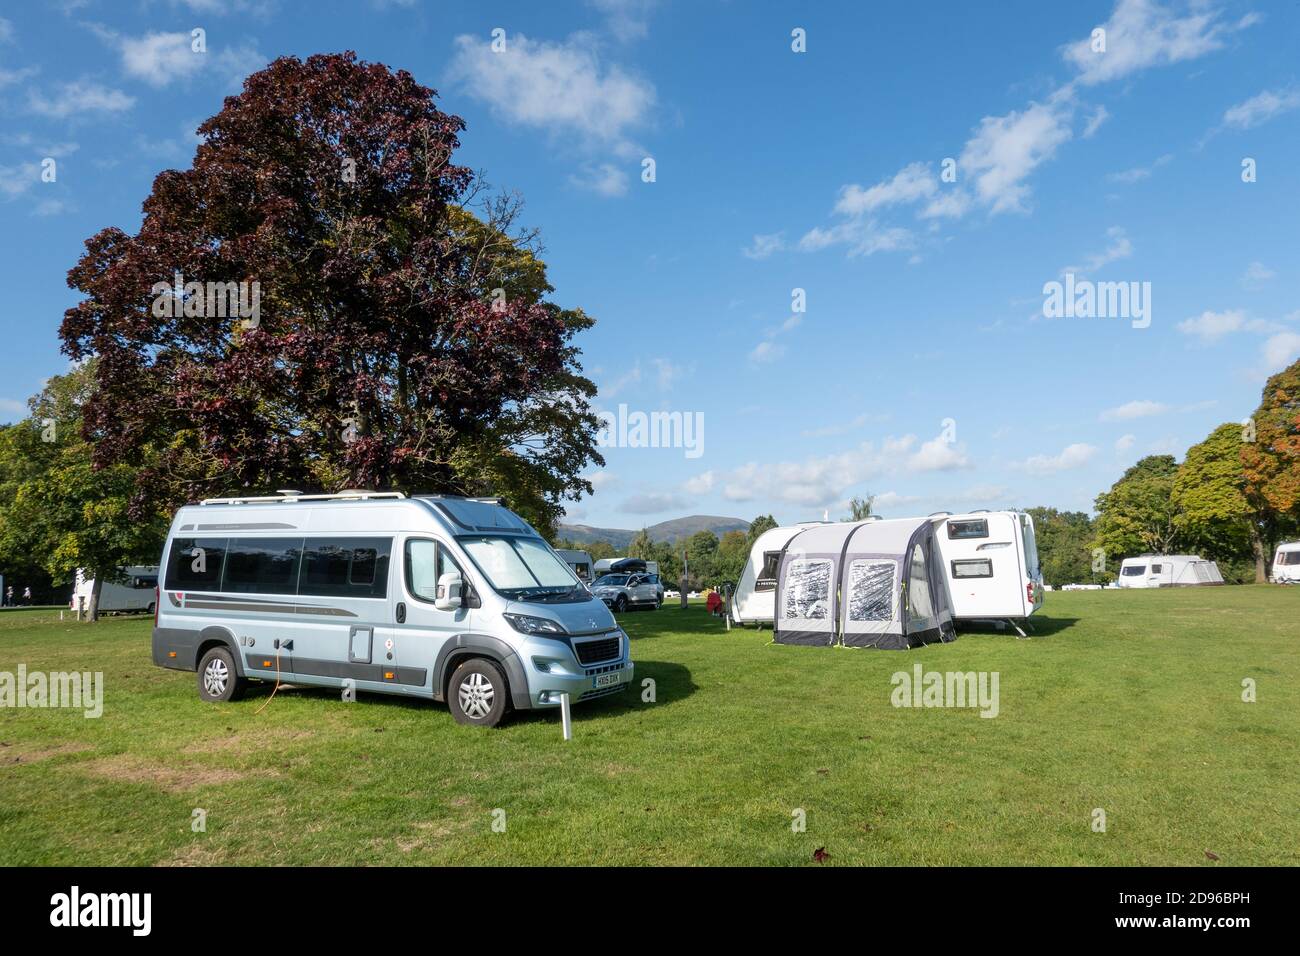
pixel 92 613
pixel 1261 555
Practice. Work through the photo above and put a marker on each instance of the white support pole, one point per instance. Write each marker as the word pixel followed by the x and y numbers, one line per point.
pixel 566 717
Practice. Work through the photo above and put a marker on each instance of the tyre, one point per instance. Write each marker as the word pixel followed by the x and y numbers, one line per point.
pixel 218 679
pixel 478 694
pixel 620 603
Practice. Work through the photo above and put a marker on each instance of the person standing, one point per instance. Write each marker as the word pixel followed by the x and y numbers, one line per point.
pixel 27 595
pixel 9 597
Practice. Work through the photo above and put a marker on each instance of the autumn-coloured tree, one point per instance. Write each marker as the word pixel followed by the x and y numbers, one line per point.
pixel 398 340
pixel 1270 450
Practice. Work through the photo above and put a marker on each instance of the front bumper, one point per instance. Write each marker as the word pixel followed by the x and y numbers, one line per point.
pixel 553 669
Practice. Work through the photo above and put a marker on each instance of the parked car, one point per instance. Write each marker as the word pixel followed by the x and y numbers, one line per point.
pixel 623 592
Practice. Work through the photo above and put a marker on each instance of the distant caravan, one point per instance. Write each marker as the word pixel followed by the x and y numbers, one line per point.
pixel 1168 571
pixel 1286 563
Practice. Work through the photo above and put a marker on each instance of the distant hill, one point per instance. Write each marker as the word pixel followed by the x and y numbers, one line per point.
pixel 670 531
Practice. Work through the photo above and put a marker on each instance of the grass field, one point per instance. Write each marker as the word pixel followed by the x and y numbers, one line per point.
pixel 1130 702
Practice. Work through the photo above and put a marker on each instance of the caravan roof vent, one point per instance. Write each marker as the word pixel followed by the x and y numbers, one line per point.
pixel 288 492
pixel 936 514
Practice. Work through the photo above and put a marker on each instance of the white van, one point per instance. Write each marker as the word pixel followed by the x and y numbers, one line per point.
pixel 1286 563
pixel 136 591
pixel 453 599
pixel 991 559
pixel 1167 571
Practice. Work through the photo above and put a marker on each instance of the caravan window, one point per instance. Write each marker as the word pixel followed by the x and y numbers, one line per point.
pixel 978 528
pixel 871 590
pixel 1288 557
pixel 345 567
pixel 767 573
pixel 262 566
pixel 195 564
pixel 973 568
pixel 1155 568
pixel 808 589
pixel 1133 570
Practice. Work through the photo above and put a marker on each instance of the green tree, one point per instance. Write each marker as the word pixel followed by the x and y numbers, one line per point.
pixel 1214 514
pixel 641 546
pixel 1270 452
pixel 860 508
pixel 59 506
pixel 1064 545
pixel 759 525
pixel 1138 514
pixel 733 550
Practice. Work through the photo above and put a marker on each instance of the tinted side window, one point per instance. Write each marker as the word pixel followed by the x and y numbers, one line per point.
pixel 978 528
pixel 262 566
pixel 345 567
pixel 195 564
pixel 766 580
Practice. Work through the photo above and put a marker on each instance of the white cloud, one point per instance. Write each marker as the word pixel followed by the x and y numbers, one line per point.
pixel 1279 351
pixel 559 87
pixel 652 503
pixel 1261 108
pixel 1072 456
pixel 52 207
pixel 161 58
pixel 1125 442
pixel 815 482
pixel 1138 173
pixel 764 245
pixel 864 238
pixel 699 485
pixel 16 180
pixel 82 96
pixel 12 407
pixel 1141 408
pixel 910 184
pixel 1211 326
pixel 605 179
pixel 765 352
pixel 630 377
pixel 1142 34
pixel 938 455
pixel 667 372
pixel 627 19
pixel 10 77
pixel 1006 149
pixel 1256 273
pixel 1120 247
pixel 1099 116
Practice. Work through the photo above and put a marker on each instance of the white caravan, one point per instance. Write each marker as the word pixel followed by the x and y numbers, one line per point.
pixel 580 561
pixel 991 560
pixel 754 601
pixel 1167 571
pixel 137 592
pixel 1286 563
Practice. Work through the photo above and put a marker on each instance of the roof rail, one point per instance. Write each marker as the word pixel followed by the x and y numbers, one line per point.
pixel 494 500
pixel 287 495
pixel 935 514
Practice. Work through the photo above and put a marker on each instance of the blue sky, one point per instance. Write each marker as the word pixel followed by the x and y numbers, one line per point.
pixel 776 170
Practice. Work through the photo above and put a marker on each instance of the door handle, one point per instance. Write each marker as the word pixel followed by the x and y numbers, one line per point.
pixel 401 612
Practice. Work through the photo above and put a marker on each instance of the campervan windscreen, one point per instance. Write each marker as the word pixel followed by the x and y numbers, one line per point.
pixel 518 567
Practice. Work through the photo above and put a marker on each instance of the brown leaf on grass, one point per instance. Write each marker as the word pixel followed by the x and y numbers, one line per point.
pixel 1211 856
pixel 820 855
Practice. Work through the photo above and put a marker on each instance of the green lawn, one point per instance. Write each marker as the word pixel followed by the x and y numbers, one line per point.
pixel 1125 701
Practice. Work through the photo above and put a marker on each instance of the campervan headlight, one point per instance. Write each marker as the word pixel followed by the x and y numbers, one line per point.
pixel 526 624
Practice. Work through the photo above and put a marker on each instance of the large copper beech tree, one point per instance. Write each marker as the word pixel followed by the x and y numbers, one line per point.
pixel 399 340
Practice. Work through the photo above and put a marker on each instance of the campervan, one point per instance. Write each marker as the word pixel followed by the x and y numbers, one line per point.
pixel 446 598
pixel 1286 563
pixel 1167 571
pixel 135 589
pixel 991 560
pixel 579 561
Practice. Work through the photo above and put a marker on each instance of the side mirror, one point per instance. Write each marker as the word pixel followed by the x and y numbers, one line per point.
pixel 450 590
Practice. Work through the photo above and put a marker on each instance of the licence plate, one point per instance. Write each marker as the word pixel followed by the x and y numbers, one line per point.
pixel 607 680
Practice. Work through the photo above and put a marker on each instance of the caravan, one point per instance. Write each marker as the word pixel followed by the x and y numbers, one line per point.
pixel 991 560
pixel 579 561
pixel 1167 571
pixel 1286 563
pixel 445 598
pixel 134 590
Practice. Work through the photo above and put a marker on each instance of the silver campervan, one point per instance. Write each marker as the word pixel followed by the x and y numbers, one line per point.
pixel 454 599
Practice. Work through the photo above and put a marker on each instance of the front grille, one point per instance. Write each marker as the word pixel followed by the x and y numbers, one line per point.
pixel 604 692
pixel 591 652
